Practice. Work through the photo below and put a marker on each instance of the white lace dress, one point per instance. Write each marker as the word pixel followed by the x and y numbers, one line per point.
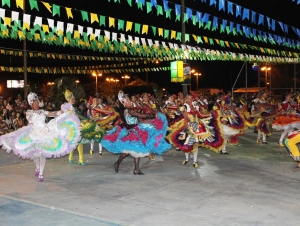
pixel 56 138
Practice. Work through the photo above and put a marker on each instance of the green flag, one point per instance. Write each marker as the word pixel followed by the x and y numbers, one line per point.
pixel 120 24
pixel 137 28
pixel 56 10
pixel 168 13
pixel 154 30
pixel 84 15
pixel 6 2
pixel 102 21
pixel 149 7
pixel 159 10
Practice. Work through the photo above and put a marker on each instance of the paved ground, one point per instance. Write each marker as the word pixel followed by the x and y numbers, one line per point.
pixel 254 185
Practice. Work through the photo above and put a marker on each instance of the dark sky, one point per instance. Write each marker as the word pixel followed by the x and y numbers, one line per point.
pixel 214 73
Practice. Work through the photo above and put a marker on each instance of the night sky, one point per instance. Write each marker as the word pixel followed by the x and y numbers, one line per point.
pixel 216 74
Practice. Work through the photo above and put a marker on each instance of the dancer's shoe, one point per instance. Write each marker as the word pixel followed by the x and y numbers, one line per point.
pixel 150 157
pixel 41 178
pixel 81 163
pixel 185 162
pixel 116 166
pixel 138 172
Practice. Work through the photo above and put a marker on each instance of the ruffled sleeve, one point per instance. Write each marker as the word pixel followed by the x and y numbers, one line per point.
pixel 29 115
pixel 140 115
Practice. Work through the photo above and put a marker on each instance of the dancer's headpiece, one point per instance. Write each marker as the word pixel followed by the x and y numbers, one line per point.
pixel 122 97
pixel 31 97
pixel 68 94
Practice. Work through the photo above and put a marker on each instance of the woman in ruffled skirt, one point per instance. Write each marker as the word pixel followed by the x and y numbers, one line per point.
pixel 139 135
pixel 40 140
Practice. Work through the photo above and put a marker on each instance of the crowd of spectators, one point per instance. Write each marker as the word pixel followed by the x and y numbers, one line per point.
pixel 13 113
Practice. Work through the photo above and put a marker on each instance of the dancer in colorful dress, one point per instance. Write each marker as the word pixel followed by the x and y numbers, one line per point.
pixel 105 118
pixel 196 130
pixel 89 129
pixel 40 140
pixel 233 123
pixel 265 113
pixel 172 110
pixel 148 107
pixel 287 119
pixel 139 135
pixel 291 143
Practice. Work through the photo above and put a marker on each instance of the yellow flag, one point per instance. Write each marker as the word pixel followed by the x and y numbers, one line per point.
pixel 69 12
pixel 128 26
pixel 227 44
pixel 217 41
pixel 173 35
pixel 20 3
pixel 26 26
pixel 37 36
pixel 160 32
pixel 45 28
pixel 66 41
pixel 262 50
pixel 205 39
pixel 76 34
pixel 60 32
pixel 145 29
pixel 48 6
pixel 7 21
pixel 237 45
pixel 194 36
pixel 94 17
pixel 92 37
pixel 111 21
pixel 20 53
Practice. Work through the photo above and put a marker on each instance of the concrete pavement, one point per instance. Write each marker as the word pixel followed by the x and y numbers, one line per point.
pixel 254 185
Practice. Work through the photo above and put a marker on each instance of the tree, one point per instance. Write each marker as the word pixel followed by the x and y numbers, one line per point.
pixel 56 93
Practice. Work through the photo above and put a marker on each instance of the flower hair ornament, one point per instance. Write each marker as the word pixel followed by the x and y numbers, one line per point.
pixel 32 97
pixel 122 97
pixel 68 94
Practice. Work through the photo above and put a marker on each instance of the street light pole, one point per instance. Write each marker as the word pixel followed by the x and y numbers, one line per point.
pixel 184 86
pixel 266 69
pixel 25 61
pixel 76 82
pixel 96 75
pixel 197 74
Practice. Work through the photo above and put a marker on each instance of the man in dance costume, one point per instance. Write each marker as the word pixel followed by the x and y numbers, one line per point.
pixel 40 140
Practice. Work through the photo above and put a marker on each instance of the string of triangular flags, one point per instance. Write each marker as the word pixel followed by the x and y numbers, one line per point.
pixel 58 56
pixel 158 50
pixel 79 70
pixel 91 34
pixel 203 20
pixel 240 11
